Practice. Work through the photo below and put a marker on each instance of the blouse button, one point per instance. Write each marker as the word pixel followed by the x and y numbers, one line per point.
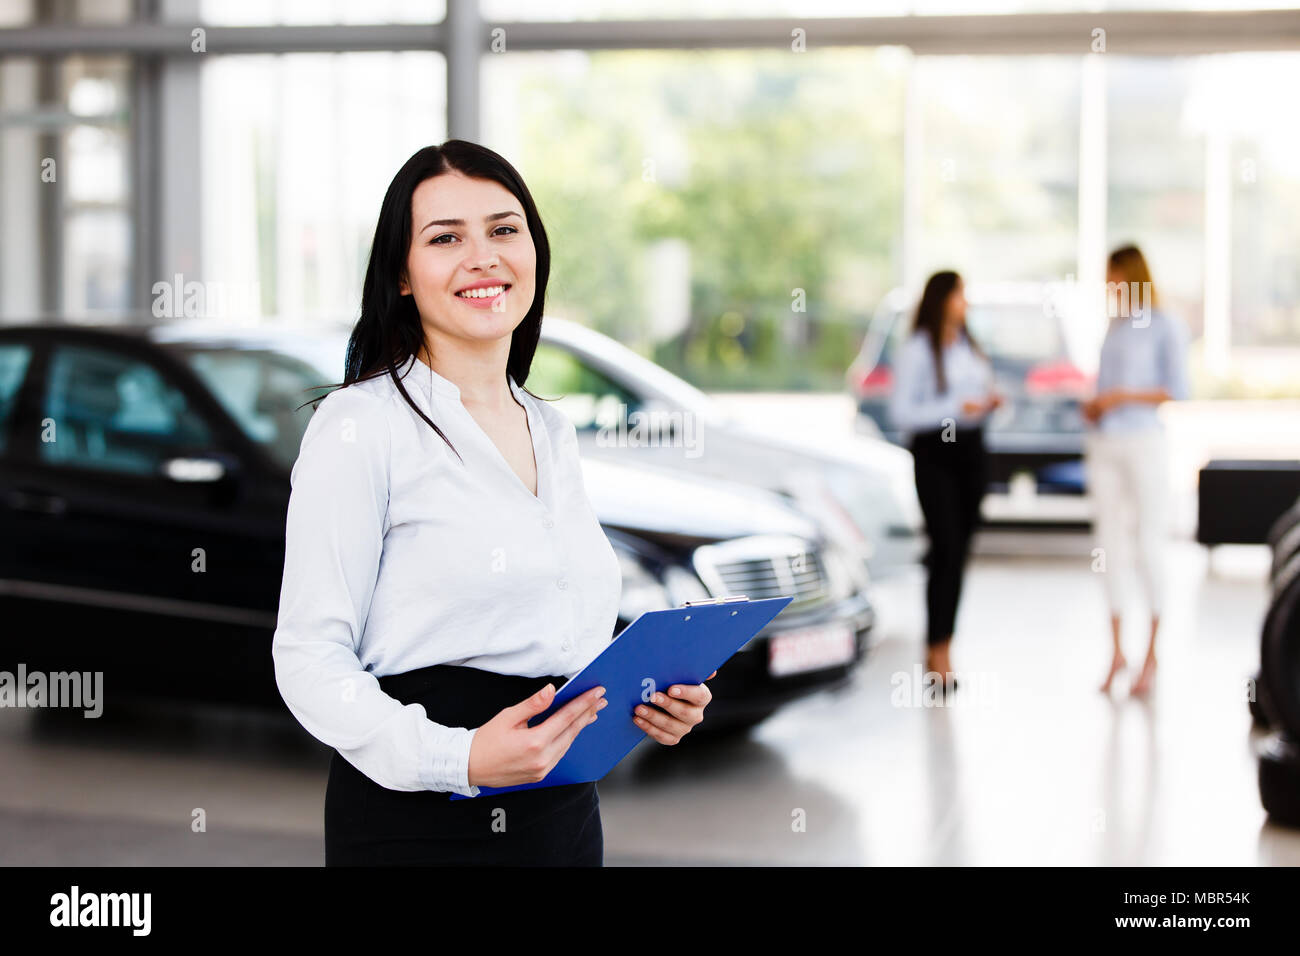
pixel 565 646
pixel 562 584
pixel 548 523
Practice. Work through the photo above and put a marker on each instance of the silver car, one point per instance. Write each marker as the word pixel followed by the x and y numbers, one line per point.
pixel 860 490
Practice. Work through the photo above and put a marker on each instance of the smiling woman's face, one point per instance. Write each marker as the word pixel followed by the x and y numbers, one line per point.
pixel 460 239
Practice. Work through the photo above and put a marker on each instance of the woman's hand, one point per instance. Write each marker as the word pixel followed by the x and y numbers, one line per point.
pixel 1104 402
pixel 975 406
pixel 506 751
pixel 682 708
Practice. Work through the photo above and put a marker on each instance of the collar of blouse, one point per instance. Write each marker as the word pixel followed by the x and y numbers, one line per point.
pixel 431 383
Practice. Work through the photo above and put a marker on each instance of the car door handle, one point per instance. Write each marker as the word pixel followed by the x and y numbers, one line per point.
pixel 41 503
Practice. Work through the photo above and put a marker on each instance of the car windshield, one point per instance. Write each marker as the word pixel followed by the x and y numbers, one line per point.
pixel 1016 333
pixel 262 390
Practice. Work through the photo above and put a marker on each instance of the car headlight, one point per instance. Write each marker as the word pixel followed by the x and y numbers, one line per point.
pixel 845 574
pixel 642 589
pixel 683 586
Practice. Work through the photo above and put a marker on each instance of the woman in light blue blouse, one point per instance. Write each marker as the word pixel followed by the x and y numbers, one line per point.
pixel 942 395
pixel 1143 363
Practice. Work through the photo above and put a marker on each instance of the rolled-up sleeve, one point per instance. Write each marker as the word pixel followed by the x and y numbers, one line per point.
pixel 914 404
pixel 338 509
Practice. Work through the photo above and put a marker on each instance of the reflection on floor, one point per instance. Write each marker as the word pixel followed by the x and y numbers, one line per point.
pixel 1029 764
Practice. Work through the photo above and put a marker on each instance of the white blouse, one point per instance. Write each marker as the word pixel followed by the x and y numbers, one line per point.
pixel 916 404
pixel 398 556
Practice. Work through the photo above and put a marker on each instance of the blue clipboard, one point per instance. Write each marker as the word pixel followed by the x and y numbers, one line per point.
pixel 681 645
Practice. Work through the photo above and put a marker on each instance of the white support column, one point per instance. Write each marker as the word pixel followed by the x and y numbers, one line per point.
pixel 464 46
pixel 1217 339
pixel 1090 268
pixel 20 196
pixel 178 188
pixel 913 180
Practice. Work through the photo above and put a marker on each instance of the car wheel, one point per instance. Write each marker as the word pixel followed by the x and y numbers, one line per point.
pixel 1285 523
pixel 1285 553
pixel 1258 708
pixel 1279 661
pixel 1279 780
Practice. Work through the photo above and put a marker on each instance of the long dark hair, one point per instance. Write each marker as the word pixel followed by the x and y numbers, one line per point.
pixel 929 319
pixel 389 332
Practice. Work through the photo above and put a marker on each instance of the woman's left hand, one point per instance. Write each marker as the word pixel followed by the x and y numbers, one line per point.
pixel 1111 399
pixel 682 708
pixel 1103 403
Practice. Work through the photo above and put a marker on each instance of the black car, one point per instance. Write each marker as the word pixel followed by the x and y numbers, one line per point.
pixel 144 482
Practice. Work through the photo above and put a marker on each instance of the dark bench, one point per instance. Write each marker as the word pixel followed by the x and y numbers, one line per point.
pixel 1238 501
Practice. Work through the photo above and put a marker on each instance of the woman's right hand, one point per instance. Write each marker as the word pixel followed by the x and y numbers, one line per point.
pixel 506 751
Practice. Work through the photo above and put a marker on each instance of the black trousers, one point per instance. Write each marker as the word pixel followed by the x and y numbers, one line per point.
pixel 369 825
pixel 950 480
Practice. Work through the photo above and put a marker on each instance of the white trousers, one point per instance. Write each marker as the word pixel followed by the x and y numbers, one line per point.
pixel 1127 479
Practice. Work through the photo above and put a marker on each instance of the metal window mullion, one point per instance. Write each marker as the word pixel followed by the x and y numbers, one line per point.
pixel 1129 33
pixel 146 149
pixel 465 39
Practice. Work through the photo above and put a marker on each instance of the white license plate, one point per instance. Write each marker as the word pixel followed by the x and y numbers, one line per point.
pixel 810 649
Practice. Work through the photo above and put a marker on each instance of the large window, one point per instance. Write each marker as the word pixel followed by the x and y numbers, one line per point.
pixel 737 215
pixel 97 215
pixel 996 163
pixel 1259 105
pixel 1204 174
pixel 65 187
pixel 1155 167
pixel 297 153
pixel 740 237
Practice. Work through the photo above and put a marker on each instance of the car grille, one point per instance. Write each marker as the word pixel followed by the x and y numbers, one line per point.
pixel 765 566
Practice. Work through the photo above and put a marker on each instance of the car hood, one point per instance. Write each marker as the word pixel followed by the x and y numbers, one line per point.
pixel 682 506
pixel 872 465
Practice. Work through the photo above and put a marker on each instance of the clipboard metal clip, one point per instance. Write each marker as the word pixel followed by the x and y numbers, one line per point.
pixel 722 600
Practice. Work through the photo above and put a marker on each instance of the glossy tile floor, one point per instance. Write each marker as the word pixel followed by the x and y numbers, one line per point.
pixel 1032 766
pixel 1029 764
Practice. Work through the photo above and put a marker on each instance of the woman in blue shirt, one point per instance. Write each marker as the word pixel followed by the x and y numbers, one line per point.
pixel 1143 363
pixel 942 395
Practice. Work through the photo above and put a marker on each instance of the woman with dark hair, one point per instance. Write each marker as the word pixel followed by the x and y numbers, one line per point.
pixel 1143 364
pixel 942 395
pixel 444 571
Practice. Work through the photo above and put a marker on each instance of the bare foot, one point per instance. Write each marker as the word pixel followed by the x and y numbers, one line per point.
pixel 1143 684
pixel 1117 664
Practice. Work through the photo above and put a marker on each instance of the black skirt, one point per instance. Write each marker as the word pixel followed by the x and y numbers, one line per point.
pixel 369 825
